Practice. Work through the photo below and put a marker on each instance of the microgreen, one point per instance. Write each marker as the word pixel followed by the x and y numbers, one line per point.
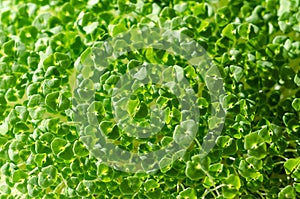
pixel 78 77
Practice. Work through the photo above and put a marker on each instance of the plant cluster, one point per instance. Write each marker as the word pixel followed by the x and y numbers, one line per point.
pixel 254 44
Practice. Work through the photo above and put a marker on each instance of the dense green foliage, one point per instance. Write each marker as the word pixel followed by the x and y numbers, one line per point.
pixel 256 47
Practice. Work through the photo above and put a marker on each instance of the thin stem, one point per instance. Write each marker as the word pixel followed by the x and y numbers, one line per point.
pixel 62 185
pixel 259 194
pixel 135 194
pixel 182 187
pixel 211 190
pixel 281 156
pixel 214 194
pixel 32 171
pixel 197 142
pixel 277 163
pixel 217 191
pixel 291 150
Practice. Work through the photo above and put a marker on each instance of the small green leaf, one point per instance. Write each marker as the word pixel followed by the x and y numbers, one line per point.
pixel 19 175
pixel 223 141
pixel 28 34
pixel 194 169
pixel 287 192
pixel 58 145
pixel 188 193
pixel 255 145
pixel 199 9
pixel 297 187
pixel 237 72
pixel 180 7
pixel 125 6
pixel 10 95
pixel 229 31
pixel 32 88
pixel 284 7
pixel 233 181
pixel 106 173
pixel 291 164
pixel 41 21
pixel 165 164
pixel 297 79
pixel 133 105
pixel 32 187
pixel 52 100
pixel 50 125
pixel 247 170
pixel 36 113
pixel 223 16
pixel 91 27
pixel 5 189
pixel 85 188
pixel 296 104
pixel 3 128
pixel 79 149
pixel 117 29
pixel 34 100
pixel 67 153
pixel 40 159
pixel 63 102
pixel 255 163
pixel 168 13
pixel 184 133
pixel 156 193
pixel 214 122
pixel 150 185
pixel 9 47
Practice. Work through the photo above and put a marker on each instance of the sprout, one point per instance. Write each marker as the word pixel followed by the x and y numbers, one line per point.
pixel 66 109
